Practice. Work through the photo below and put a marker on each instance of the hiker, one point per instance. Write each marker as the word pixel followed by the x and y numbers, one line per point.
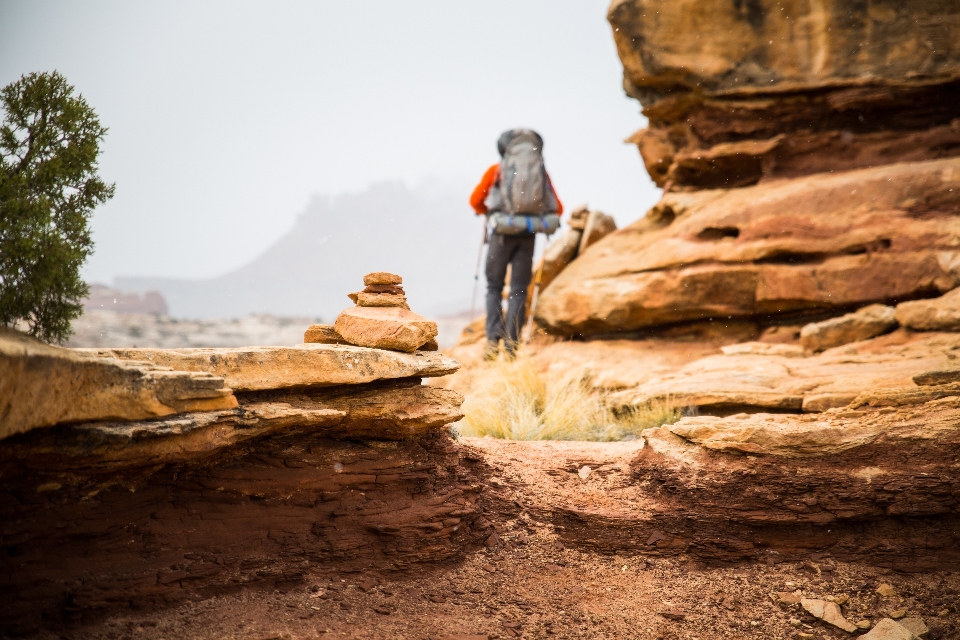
pixel 518 199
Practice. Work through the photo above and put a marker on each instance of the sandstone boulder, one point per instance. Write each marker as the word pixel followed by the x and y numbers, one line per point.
pixel 43 385
pixel 598 226
pixel 391 328
pixel 808 244
pixel 936 314
pixel 865 323
pixel 307 365
pixel 322 334
pixel 578 217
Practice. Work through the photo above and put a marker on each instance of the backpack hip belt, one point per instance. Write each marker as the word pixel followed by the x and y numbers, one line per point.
pixel 507 224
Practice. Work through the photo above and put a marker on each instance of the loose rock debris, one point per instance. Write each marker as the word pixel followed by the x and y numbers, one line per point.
pixel 590 596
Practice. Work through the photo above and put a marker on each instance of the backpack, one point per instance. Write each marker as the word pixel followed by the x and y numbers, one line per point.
pixel 523 178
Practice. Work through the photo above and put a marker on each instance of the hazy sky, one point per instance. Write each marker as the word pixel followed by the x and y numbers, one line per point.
pixel 225 117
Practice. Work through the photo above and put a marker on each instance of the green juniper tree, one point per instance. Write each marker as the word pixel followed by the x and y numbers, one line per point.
pixel 49 186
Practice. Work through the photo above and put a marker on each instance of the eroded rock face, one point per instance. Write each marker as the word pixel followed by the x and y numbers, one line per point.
pixel 778 45
pixel 822 242
pixel 258 514
pixel 785 89
pixel 669 494
pixel 336 455
pixel 43 385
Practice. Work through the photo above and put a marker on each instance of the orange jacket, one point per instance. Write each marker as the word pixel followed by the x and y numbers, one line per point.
pixel 488 180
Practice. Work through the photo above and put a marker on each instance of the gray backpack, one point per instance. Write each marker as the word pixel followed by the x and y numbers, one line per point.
pixel 523 178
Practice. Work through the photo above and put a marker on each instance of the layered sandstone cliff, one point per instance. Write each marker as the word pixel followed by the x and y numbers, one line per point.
pixel 808 155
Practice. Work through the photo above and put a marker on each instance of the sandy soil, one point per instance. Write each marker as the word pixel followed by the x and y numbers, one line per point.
pixel 529 586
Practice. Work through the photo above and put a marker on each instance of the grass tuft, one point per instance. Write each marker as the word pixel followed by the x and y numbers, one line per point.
pixel 514 401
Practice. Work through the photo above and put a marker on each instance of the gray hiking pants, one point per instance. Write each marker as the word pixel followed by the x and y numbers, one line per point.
pixel 516 251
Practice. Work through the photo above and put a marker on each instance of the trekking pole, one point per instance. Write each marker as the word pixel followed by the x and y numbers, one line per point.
pixel 476 273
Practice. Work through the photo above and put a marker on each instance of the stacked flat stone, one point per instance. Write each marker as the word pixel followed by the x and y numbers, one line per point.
pixel 381 319
pixel 381 289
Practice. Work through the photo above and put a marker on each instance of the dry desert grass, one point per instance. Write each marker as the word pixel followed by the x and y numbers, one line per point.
pixel 514 401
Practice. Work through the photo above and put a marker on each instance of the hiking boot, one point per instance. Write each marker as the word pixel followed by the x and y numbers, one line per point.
pixel 510 349
pixel 491 351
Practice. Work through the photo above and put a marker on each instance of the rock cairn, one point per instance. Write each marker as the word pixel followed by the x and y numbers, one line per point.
pixel 381 319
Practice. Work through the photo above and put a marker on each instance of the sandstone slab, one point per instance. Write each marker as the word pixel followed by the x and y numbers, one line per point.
pixel 863 324
pixel 260 368
pixel 389 328
pixel 43 385
pixel 770 434
pixel 396 410
pixel 381 278
pixel 365 299
pixel 878 372
pixel 804 245
pixel 936 314
pixel 888 629
pixel 322 334
pixel 829 612
pixel 112 445
pixel 937 377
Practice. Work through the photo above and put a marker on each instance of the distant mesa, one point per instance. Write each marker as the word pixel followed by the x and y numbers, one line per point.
pixel 104 298
pixel 307 271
